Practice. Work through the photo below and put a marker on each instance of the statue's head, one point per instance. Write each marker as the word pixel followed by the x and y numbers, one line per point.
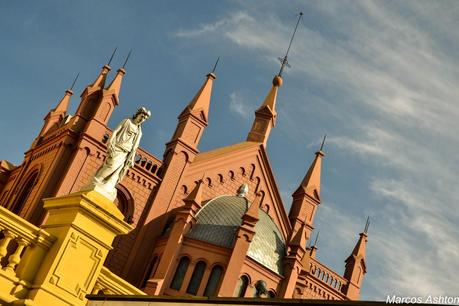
pixel 141 115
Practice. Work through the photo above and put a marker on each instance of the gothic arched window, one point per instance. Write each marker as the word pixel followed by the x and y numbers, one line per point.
pixel 196 278
pixel 125 203
pixel 242 286
pixel 180 273
pixel 25 192
pixel 214 280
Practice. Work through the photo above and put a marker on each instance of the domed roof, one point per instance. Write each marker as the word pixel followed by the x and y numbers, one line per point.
pixel 218 220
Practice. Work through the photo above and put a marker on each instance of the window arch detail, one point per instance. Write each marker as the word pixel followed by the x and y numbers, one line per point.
pixel 125 203
pixel 242 286
pixel 25 191
pixel 196 278
pixel 214 281
pixel 180 272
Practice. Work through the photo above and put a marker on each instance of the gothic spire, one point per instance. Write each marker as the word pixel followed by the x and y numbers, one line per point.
pixel 265 115
pixel 311 182
pixel 101 78
pixel 199 105
pixel 355 267
pixel 115 85
pixel 194 199
pixel 252 211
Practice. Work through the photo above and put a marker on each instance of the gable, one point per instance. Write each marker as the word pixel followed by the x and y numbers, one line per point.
pixel 225 169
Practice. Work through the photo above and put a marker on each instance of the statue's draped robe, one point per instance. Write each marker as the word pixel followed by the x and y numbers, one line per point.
pixel 122 147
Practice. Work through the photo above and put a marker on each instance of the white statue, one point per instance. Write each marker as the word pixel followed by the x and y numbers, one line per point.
pixel 121 149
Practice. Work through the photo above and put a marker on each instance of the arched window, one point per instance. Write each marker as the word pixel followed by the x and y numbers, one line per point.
pixel 125 203
pixel 214 280
pixel 196 278
pixel 25 192
pixel 242 286
pixel 180 273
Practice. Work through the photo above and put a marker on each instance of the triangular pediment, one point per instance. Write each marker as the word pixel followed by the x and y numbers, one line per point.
pixel 228 167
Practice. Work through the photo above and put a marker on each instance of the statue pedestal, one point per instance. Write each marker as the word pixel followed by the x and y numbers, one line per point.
pixel 109 194
pixel 85 224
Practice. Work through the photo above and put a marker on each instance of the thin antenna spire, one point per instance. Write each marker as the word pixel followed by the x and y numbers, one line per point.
pixel 127 58
pixel 215 66
pixel 323 142
pixel 74 81
pixel 111 57
pixel 317 239
pixel 367 224
pixel 284 60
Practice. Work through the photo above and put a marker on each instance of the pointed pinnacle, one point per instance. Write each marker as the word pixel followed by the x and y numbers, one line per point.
pixel 111 57
pixel 127 58
pixel 215 66
pixel 74 81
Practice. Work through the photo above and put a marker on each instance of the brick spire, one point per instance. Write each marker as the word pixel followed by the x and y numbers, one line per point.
pixel 355 268
pixel 199 105
pixel 306 198
pixel 99 82
pixel 194 199
pixel 265 115
pixel 55 116
pixel 115 85
pixel 311 181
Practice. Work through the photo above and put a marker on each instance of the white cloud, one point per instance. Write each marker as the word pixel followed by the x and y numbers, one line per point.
pixel 238 104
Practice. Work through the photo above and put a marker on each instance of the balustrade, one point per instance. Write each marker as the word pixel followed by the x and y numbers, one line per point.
pixel 327 276
pixel 17 235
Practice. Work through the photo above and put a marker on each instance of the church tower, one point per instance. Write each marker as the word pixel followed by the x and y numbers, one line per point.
pixel 306 198
pixel 265 115
pixel 356 267
pixel 183 147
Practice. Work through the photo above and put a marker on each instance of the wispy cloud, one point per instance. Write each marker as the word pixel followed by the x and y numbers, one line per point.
pixel 238 104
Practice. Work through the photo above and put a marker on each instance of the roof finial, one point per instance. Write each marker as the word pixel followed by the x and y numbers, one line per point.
pixel 127 58
pixel 215 66
pixel 284 60
pixel 323 142
pixel 367 224
pixel 111 57
pixel 243 190
pixel 317 239
pixel 74 81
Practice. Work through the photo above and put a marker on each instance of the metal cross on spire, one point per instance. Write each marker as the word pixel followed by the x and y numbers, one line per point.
pixel 284 60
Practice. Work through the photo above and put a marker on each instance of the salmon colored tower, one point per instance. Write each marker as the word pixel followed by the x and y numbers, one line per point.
pixel 356 267
pixel 306 198
pixel 265 115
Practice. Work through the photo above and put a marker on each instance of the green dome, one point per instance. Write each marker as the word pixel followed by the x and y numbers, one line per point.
pixel 218 220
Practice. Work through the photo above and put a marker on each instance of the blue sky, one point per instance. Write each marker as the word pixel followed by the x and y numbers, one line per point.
pixel 378 77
